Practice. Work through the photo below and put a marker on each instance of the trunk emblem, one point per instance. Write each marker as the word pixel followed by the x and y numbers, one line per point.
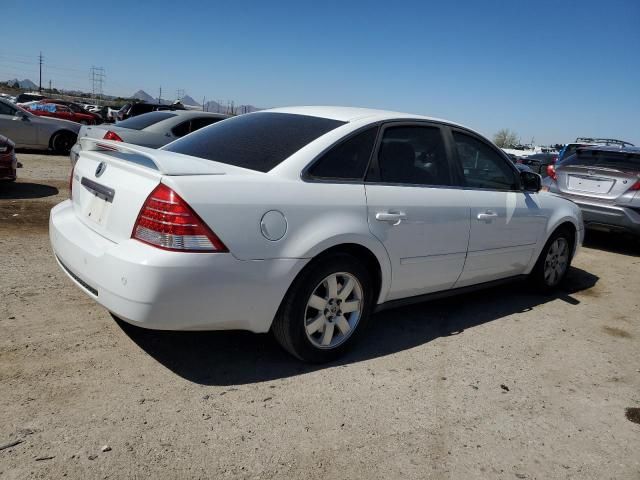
pixel 101 168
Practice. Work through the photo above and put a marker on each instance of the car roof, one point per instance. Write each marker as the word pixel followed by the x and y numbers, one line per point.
pixel 350 114
pixel 195 113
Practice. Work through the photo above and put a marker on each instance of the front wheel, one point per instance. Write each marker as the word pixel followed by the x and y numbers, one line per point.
pixel 554 261
pixel 326 309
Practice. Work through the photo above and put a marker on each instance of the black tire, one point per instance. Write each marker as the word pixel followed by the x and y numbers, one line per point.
pixel 539 276
pixel 290 324
pixel 62 142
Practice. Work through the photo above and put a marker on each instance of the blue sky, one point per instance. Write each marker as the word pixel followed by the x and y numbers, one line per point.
pixel 550 70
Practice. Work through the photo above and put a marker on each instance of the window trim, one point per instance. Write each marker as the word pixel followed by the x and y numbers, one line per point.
pixel 373 173
pixel 305 176
pixel 516 187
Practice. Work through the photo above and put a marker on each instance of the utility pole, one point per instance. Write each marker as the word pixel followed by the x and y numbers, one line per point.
pixel 49 85
pixel 40 59
pixel 203 99
pixel 160 95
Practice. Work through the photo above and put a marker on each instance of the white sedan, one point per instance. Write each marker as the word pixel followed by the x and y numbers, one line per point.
pixel 304 221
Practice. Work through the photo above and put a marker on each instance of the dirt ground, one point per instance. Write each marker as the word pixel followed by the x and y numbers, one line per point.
pixel 501 384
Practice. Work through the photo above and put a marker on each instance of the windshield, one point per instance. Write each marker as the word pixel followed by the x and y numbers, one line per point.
pixel 145 120
pixel 257 141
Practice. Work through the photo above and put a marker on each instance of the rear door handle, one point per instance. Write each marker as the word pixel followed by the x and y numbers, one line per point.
pixel 487 216
pixel 392 217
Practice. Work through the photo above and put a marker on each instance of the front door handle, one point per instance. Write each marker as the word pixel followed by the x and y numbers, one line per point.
pixel 487 216
pixel 392 217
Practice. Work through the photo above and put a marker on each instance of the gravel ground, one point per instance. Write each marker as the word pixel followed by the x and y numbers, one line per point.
pixel 501 384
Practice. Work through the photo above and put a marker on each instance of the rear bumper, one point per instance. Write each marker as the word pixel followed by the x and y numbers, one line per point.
pixel 163 290
pixel 610 217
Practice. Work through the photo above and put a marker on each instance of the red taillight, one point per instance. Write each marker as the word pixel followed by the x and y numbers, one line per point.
pixel 635 187
pixel 112 136
pixel 551 172
pixel 166 221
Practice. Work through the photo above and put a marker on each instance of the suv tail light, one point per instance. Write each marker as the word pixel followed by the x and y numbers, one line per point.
pixel 551 172
pixel 166 221
pixel 112 136
pixel 635 187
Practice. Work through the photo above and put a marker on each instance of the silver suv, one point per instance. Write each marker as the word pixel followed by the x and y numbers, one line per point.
pixel 605 183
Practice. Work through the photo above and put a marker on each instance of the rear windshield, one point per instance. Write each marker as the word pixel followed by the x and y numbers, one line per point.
pixel 257 141
pixel 595 158
pixel 145 120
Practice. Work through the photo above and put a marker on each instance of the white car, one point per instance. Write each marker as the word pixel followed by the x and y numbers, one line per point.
pixel 304 221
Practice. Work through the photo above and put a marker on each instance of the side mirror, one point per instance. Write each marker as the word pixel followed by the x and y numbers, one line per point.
pixel 531 182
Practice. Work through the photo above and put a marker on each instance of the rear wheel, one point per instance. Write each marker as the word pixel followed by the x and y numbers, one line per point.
pixel 554 261
pixel 62 142
pixel 326 309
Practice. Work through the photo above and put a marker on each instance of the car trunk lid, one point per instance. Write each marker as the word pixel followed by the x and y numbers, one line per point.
pixel 112 180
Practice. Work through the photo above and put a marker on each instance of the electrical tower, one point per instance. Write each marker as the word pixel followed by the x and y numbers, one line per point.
pixel 180 94
pixel 40 60
pixel 97 81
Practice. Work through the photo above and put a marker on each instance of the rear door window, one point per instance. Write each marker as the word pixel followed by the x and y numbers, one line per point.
pixel 257 141
pixel 413 155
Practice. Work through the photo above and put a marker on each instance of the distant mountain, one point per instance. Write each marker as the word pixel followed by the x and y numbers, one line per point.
pixel 25 84
pixel 143 96
pixel 187 100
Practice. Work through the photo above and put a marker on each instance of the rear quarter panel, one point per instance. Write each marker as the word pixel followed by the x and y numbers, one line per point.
pixel 318 215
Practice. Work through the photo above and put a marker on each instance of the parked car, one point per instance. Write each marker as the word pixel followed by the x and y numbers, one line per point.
pixel 570 148
pixel 293 220
pixel 135 109
pixel 29 97
pixel 77 108
pixel 59 111
pixel 151 130
pixel 605 183
pixel 8 160
pixel 538 162
pixel 31 131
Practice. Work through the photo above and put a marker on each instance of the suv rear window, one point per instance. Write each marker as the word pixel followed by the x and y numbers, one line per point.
pixel 257 141
pixel 607 159
pixel 145 120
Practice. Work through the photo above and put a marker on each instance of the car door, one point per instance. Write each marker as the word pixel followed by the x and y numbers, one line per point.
pixel 14 126
pixel 506 222
pixel 415 207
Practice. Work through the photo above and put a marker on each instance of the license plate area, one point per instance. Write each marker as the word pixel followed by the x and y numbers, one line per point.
pixel 99 201
pixel 590 185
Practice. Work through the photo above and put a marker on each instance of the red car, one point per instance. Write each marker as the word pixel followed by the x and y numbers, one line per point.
pixel 45 109
pixel 8 161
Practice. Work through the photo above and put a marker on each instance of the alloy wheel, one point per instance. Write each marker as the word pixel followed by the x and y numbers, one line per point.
pixel 333 310
pixel 556 261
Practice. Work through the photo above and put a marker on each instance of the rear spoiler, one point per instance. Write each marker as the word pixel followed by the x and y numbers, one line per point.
pixel 166 163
